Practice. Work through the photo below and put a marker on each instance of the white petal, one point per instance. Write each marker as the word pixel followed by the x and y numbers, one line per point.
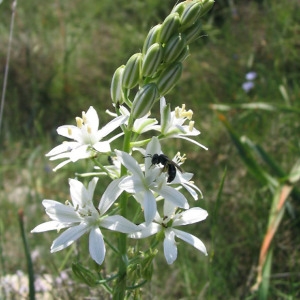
pixel 61 165
pixel 97 246
pixel 169 208
pixel 91 187
pixel 170 248
pixel 145 231
pixel 130 163
pixel 190 216
pixel 191 140
pixel 152 148
pixel 65 131
pixel 119 223
pixel 60 212
pixel 92 119
pixel 78 192
pixel 68 237
pixel 150 207
pixel 110 195
pixel 80 152
pixel 191 239
pixel 132 184
pixel 111 126
pixel 51 225
pixel 66 146
pixel 102 147
pixel 172 195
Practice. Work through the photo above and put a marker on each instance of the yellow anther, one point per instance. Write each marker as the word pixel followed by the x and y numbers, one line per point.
pixel 79 122
pixel 84 116
pixel 67 202
pixel 89 129
pixel 177 112
pixel 69 131
pixel 191 125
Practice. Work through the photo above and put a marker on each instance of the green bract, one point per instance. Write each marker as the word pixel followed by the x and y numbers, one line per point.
pixel 152 60
pixel 144 99
pixel 131 74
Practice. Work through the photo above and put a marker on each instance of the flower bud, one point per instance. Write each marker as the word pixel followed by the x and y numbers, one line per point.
pixel 190 15
pixel 131 74
pixel 152 60
pixel 152 37
pixel 174 47
pixel 192 33
pixel 179 8
pixel 143 100
pixel 168 78
pixel 206 5
pixel 116 90
pixel 184 54
pixel 169 27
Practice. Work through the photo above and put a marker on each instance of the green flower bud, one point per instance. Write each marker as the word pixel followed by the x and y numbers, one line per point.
pixel 168 78
pixel 206 5
pixel 179 8
pixel 190 15
pixel 143 100
pixel 116 90
pixel 152 60
pixel 174 47
pixel 192 33
pixel 131 74
pixel 169 27
pixel 152 37
pixel 184 54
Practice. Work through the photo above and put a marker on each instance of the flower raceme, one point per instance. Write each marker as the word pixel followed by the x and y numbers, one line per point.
pixel 87 139
pixel 80 216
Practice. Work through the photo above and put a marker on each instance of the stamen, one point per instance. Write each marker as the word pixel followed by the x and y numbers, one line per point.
pixel 84 116
pixel 79 122
pixel 69 131
pixel 89 129
pixel 191 125
pixel 177 112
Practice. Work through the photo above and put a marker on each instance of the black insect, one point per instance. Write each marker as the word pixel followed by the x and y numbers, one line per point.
pixel 169 165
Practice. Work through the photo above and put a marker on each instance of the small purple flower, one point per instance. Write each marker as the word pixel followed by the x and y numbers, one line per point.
pixel 251 75
pixel 247 86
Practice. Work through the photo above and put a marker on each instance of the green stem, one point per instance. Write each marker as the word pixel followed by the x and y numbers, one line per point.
pixel 120 288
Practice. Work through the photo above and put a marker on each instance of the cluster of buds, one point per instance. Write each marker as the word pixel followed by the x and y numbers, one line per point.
pixel 157 69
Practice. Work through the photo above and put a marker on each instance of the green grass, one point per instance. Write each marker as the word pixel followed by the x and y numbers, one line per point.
pixel 63 57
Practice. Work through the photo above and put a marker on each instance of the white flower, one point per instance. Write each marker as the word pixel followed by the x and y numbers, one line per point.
pixel 87 138
pixel 167 225
pixel 172 123
pixel 140 125
pixel 81 217
pixel 143 185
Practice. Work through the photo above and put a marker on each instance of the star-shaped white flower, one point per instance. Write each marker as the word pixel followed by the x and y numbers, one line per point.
pixel 172 123
pixel 143 184
pixel 168 223
pixel 86 138
pixel 140 125
pixel 81 217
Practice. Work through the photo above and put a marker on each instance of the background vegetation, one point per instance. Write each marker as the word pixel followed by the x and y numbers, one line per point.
pixel 63 56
